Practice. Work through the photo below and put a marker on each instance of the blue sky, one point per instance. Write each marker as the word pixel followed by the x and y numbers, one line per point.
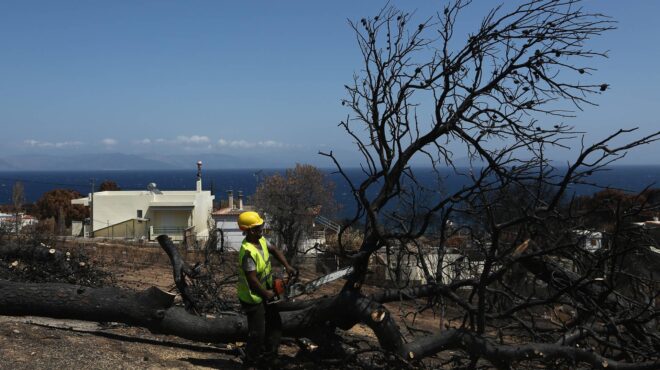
pixel 256 77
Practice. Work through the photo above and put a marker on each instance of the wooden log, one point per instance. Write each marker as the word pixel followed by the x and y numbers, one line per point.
pixel 151 308
pixel 84 303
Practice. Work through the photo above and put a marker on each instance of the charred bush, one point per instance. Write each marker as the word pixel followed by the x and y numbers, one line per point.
pixel 41 263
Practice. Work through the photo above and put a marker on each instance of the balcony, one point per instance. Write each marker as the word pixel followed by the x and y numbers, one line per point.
pixel 174 232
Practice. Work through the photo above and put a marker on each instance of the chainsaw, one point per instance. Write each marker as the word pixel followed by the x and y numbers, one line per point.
pixel 289 288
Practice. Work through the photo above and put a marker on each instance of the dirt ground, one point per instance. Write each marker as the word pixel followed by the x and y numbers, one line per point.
pixel 44 343
pixel 38 343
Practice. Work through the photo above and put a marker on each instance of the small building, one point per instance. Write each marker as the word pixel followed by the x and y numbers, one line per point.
pixel 460 258
pixel 10 221
pixel 652 226
pixel 459 264
pixel 590 241
pixel 410 267
pixel 225 219
pixel 403 266
pixel 230 236
pixel 145 214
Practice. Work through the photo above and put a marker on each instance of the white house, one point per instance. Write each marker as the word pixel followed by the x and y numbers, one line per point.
pixel 409 267
pixel 10 222
pixel 458 264
pixel 145 214
pixel 590 241
pixel 226 222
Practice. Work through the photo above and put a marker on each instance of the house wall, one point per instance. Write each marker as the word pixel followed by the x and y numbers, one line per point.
pixel 590 241
pixel 308 242
pixel 172 222
pixel 173 209
pixel 407 269
pixel 414 270
pixel 201 216
pixel 233 236
pixel 130 229
pixel 457 266
pixel 112 207
pixel 76 228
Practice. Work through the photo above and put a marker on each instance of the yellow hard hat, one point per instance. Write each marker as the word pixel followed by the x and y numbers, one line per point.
pixel 249 219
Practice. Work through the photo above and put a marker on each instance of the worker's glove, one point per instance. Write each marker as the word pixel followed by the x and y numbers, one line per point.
pixel 272 298
pixel 270 295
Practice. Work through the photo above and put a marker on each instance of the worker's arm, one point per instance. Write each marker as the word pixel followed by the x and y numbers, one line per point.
pixel 280 257
pixel 256 287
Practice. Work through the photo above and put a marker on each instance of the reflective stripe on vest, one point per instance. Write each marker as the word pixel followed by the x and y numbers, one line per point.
pixel 263 271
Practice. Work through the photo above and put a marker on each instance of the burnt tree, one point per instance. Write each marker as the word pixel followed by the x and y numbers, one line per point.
pixel 538 295
pixel 425 97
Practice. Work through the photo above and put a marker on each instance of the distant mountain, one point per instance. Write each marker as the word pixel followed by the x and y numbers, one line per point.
pixel 221 161
pixel 83 162
pixel 119 161
pixel 165 161
pixel 210 160
pixel 144 161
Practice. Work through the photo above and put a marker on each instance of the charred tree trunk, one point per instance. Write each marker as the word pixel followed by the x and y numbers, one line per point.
pixel 153 309
pixel 84 303
pixel 180 270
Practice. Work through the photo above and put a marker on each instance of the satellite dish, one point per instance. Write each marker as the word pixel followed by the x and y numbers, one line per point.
pixel 152 188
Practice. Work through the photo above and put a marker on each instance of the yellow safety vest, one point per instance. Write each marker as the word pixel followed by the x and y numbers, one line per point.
pixel 263 271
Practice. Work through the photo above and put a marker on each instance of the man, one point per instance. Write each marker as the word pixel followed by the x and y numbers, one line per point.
pixel 255 283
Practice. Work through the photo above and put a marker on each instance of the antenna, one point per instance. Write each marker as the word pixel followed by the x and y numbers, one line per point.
pixel 152 188
pixel 258 175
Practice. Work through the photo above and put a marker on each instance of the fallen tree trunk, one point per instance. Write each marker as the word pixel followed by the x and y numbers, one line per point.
pixel 153 310
pixel 503 355
pixel 84 303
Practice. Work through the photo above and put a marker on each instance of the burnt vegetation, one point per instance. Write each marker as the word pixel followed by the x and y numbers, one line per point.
pixel 515 280
pixel 33 254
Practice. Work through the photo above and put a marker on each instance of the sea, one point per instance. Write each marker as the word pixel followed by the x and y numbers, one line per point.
pixel 36 183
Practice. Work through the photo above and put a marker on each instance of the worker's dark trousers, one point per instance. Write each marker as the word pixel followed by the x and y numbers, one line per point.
pixel 264 332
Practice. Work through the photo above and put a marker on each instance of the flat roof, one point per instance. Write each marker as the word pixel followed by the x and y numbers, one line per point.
pixel 170 204
pixel 147 192
pixel 231 211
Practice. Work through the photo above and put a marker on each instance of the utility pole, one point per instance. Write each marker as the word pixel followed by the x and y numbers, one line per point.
pixel 91 211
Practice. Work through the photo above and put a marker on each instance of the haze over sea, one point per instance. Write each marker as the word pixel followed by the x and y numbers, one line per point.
pixel 630 178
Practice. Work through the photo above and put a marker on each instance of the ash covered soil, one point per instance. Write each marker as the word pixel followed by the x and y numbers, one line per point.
pixel 37 343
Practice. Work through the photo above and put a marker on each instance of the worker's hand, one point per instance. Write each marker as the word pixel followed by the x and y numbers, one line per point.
pixel 292 271
pixel 269 295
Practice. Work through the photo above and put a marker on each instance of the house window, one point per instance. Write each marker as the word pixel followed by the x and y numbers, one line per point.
pixel 139 213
